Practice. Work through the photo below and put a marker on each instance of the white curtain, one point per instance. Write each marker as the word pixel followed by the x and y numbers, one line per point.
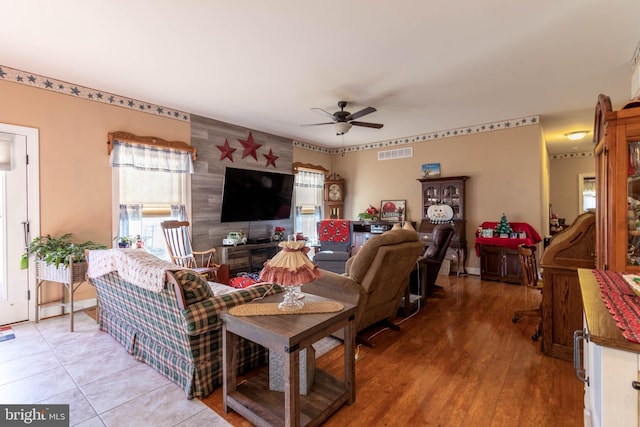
pixel 130 216
pixel 308 188
pixel 148 158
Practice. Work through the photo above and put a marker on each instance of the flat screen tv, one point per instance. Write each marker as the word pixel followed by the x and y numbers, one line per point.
pixel 251 195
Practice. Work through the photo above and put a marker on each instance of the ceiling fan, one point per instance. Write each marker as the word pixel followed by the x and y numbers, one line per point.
pixel 343 120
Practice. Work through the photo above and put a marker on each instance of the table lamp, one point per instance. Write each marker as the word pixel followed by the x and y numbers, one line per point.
pixel 290 268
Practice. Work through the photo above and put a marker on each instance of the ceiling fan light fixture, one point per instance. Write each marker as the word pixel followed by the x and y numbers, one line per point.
pixel 574 136
pixel 342 127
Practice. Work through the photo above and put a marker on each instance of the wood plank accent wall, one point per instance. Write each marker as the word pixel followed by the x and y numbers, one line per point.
pixel 208 180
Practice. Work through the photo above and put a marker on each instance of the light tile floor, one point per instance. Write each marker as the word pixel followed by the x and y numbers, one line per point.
pixel 103 384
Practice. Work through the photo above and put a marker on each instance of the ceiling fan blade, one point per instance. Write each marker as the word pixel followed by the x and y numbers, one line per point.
pixel 360 113
pixel 317 124
pixel 321 111
pixel 367 125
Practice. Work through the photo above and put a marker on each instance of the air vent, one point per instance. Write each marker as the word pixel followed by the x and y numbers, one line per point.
pixel 398 153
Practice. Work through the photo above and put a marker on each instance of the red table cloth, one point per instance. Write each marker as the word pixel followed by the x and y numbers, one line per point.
pixel 532 236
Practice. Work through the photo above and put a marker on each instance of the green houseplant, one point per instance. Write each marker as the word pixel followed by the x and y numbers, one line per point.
pixel 57 250
pixel 125 241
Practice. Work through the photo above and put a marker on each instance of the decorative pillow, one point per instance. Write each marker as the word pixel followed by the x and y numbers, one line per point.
pixel 242 282
pixel 194 286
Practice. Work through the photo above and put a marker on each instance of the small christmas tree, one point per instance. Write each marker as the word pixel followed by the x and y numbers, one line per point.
pixel 503 226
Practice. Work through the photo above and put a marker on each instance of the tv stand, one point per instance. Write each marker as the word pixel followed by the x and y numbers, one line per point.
pixel 257 240
pixel 248 258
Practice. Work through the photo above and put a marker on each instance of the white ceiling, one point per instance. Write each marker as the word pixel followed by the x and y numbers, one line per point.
pixel 426 65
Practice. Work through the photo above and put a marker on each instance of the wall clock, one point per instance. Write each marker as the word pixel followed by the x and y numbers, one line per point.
pixel 334 197
pixel 334 190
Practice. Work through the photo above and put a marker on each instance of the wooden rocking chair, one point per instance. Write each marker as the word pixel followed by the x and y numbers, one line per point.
pixel 178 238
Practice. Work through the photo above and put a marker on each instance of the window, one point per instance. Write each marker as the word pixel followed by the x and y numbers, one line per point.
pixel 146 198
pixel 308 199
pixel 151 185
pixel 586 192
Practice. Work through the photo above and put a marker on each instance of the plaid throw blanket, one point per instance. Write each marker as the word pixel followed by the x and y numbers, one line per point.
pixel 622 302
pixel 136 266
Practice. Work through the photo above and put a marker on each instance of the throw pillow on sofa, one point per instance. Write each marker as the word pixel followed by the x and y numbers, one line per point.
pixel 194 286
pixel 244 280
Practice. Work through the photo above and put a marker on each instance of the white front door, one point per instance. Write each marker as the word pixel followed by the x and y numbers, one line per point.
pixel 19 219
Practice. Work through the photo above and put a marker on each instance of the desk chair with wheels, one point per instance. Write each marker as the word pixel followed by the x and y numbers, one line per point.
pixel 530 278
pixel 178 239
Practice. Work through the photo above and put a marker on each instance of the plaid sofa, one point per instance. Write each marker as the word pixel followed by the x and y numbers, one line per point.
pixel 185 345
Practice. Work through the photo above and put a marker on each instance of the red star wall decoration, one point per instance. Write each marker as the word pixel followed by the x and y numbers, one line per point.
pixel 271 159
pixel 226 152
pixel 250 147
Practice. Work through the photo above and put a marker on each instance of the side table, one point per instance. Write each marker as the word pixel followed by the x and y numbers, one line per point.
pixel 287 334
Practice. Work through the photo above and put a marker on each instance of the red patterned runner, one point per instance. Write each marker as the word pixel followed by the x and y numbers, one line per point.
pixel 622 302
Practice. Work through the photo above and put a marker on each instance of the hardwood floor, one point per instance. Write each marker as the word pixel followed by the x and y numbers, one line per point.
pixel 459 361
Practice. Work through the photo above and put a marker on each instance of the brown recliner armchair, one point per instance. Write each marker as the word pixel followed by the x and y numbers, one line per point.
pixel 375 278
pixel 435 253
pixel 423 278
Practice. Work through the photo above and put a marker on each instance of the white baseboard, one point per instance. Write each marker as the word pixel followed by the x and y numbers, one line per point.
pixel 474 271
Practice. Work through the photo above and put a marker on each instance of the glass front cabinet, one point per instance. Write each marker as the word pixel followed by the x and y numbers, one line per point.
pixel 618 190
pixel 447 191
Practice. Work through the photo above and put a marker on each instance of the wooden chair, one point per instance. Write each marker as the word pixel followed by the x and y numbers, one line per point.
pixel 178 239
pixel 530 278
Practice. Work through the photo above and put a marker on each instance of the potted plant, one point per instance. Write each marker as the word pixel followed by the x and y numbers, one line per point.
pixel 125 241
pixel 53 255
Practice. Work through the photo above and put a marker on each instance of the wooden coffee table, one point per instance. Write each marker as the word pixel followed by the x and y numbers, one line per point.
pixel 288 334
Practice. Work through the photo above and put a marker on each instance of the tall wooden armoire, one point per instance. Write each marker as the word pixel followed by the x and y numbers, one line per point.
pixel 569 250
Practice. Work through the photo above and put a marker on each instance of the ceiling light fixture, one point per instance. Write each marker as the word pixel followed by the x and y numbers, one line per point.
pixel 574 136
pixel 342 127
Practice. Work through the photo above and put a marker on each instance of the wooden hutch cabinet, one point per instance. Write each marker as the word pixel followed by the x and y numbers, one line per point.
pixel 617 156
pixel 500 264
pixel 449 191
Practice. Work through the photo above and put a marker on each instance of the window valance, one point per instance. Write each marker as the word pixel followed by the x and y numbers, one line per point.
pixel 298 166
pixel 150 153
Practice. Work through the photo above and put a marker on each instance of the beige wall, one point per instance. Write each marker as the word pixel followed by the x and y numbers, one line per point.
pixel 75 177
pixel 312 157
pixel 505 169
pixel 563 173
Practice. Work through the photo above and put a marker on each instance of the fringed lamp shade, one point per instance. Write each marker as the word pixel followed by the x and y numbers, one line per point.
pixel 290 267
